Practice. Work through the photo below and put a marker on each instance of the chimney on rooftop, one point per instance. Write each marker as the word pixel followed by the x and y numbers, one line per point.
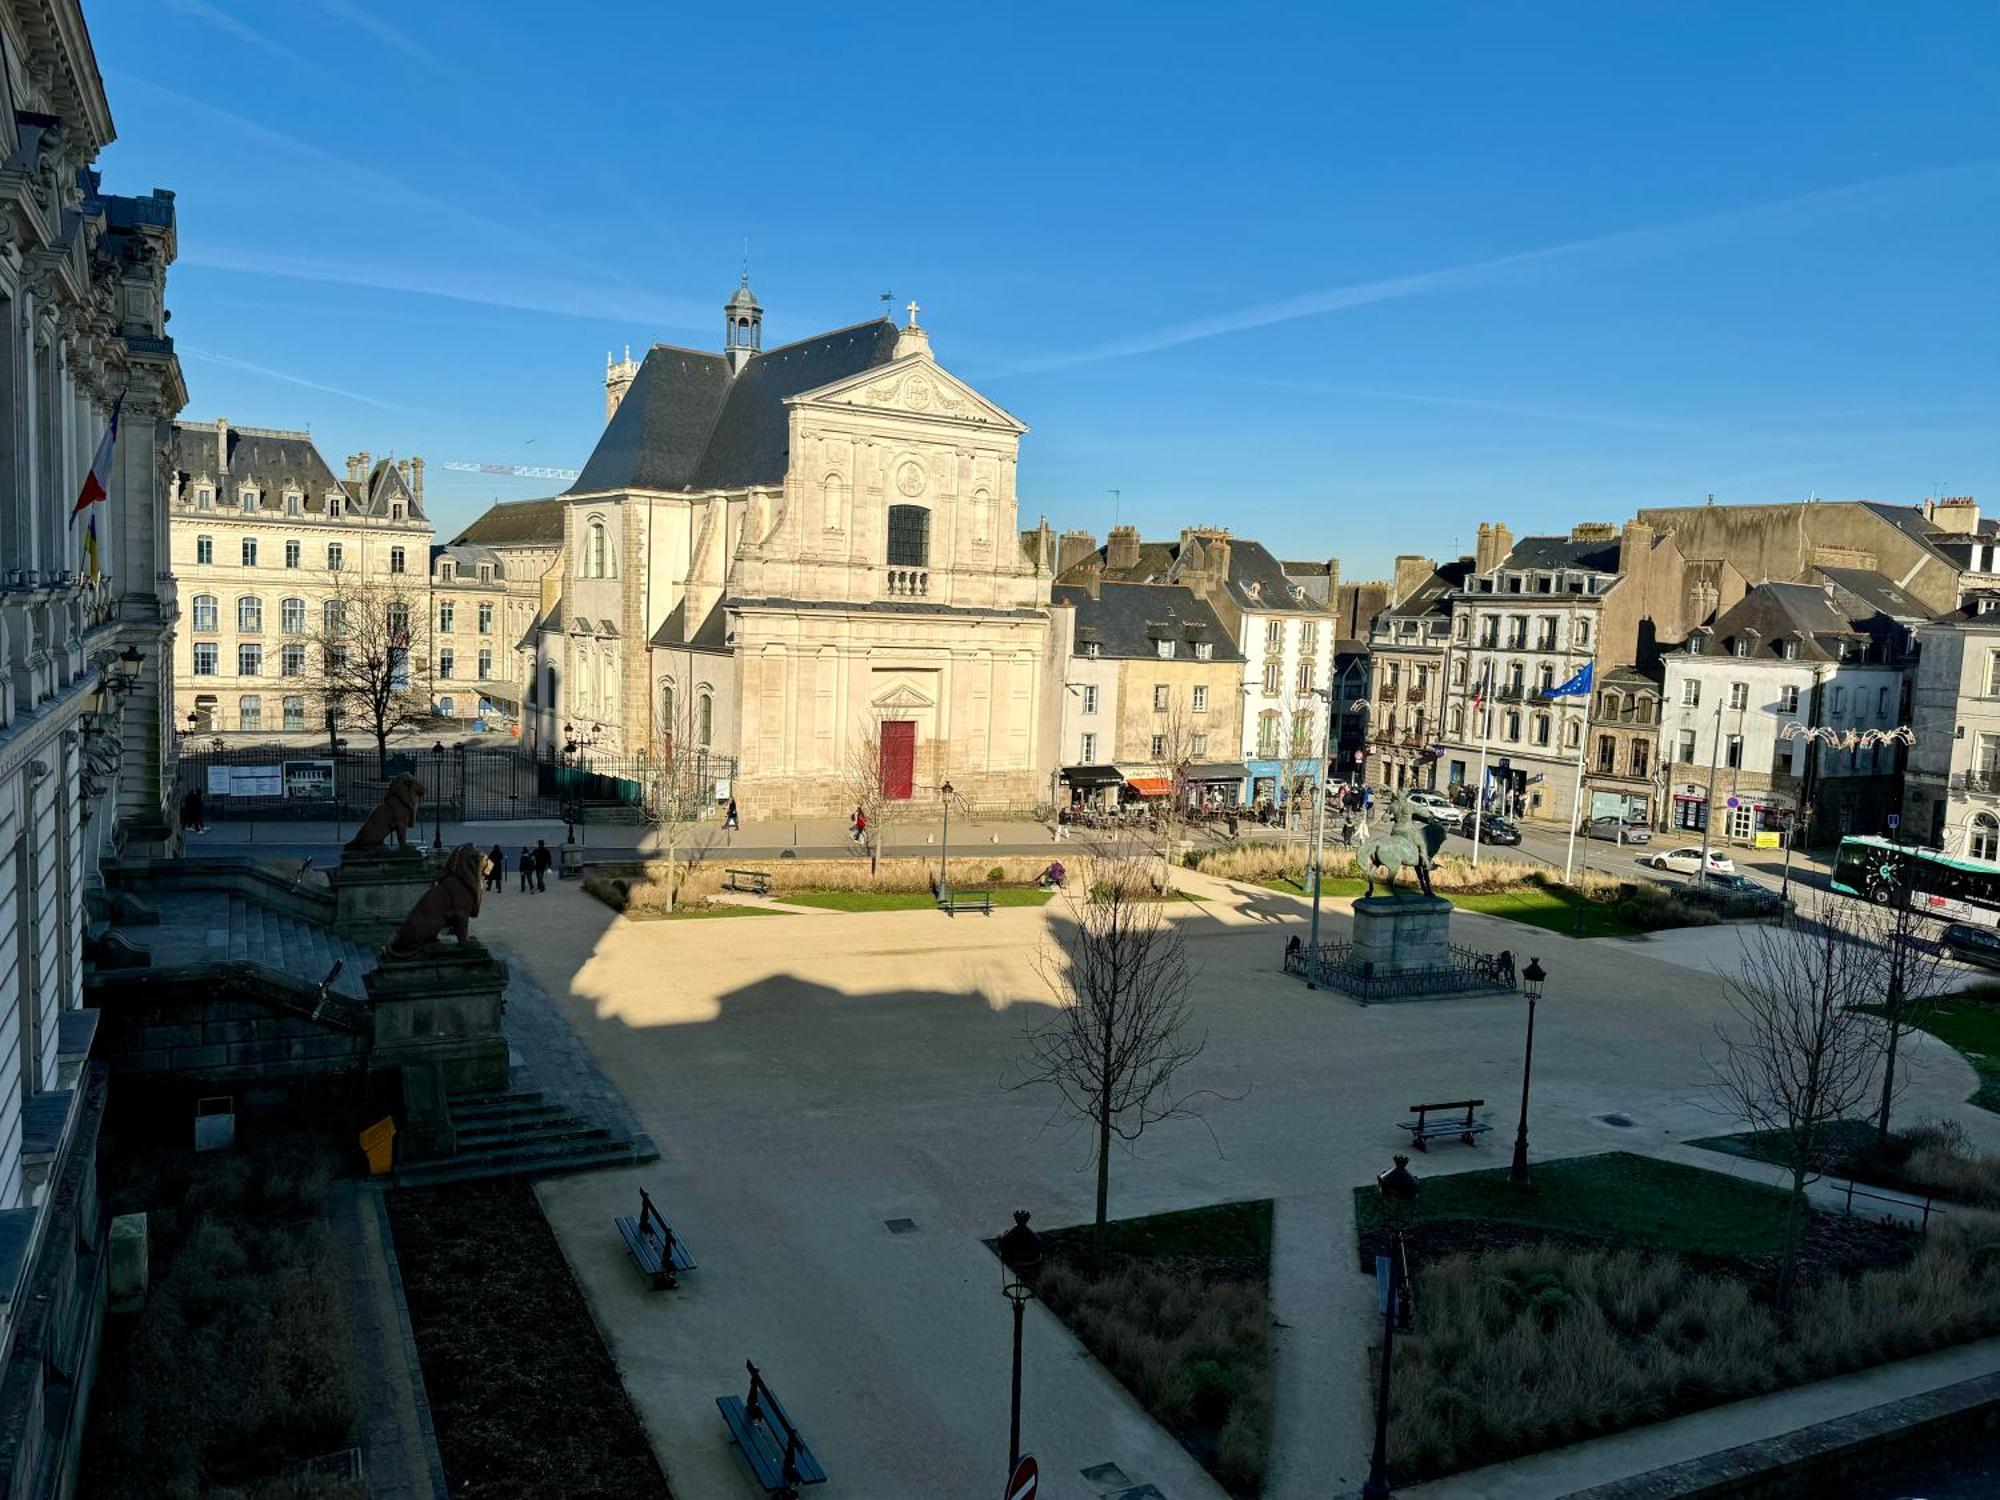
pixel 417 481
pixel 1411 572
pixel 1495 542
pixel 1121 549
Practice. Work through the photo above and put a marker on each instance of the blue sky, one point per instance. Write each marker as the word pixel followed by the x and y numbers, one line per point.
pixel 1346 278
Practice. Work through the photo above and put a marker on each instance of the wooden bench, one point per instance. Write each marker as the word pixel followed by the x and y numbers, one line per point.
pixel 659 1253
pixel 1423 1128
pixel 955 902
pixel 770 1442
pixel 750 882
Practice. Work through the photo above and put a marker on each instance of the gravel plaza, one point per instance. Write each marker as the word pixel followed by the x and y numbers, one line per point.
pixel 828 1092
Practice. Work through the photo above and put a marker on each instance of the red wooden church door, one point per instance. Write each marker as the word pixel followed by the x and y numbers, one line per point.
pixel 899 757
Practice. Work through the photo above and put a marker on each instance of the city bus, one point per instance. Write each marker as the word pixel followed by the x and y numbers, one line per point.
pixel 1954 890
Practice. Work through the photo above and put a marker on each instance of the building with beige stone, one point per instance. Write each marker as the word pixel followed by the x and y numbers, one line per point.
pixel 796 551
pixel 476 624
pixel 262 536
pixel 1408 643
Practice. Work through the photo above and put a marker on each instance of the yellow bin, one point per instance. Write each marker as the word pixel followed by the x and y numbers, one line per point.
pixel 379 1142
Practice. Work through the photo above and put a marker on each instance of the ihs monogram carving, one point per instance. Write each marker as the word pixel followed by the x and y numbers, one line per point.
pixel 917 393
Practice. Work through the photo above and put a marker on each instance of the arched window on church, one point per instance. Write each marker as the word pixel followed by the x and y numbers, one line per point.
pixel 705 728
pixel 597 559
pixel 833 502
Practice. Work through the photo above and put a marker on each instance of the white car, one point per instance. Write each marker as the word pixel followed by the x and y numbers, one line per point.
pixel 1438 808
pixel 1688 861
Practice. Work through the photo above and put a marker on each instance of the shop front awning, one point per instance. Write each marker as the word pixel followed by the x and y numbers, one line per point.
pixel 1090 778
pixel 1218 770
pixel 1150 786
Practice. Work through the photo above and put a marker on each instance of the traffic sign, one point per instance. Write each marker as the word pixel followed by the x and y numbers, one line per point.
pixel 1730 803
pixel 1026 1480
pixel 1893 820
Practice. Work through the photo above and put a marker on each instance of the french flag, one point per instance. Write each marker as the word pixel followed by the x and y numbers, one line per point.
pixel 96 482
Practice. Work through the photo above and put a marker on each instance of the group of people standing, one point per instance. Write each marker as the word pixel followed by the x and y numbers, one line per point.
pixel 533 864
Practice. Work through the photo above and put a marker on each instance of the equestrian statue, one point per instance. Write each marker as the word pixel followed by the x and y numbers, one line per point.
pixel 1410 841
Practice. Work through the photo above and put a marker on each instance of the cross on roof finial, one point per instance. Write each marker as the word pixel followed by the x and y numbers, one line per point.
pixel 913 315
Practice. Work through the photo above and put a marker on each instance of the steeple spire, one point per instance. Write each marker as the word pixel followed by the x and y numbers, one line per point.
pixel 743 333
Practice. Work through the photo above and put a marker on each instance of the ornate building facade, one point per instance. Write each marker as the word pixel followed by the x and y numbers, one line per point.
pixel 790 553
pixel 87 611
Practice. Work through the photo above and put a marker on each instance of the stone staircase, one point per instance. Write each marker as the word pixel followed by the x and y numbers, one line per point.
pixel 520 1132
pixel 259 934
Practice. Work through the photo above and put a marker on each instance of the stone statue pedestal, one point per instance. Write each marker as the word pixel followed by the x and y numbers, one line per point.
pixel 436 1017
pixel 374 889
pixel 1398 935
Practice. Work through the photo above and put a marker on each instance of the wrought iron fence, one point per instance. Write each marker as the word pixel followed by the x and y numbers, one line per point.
pixel 304 781
pixel 1334 966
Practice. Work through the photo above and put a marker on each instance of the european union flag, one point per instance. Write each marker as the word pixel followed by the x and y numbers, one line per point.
pixel 1578 686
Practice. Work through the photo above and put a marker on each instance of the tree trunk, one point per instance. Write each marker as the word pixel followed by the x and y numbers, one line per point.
pixel 1795 1224
pixel 1103 1145
pixel 1894 1018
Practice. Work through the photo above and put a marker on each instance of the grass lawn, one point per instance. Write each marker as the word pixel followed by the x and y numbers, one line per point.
pixel 1971 1023
pixel 1619 1197
pixel 1181 1315
pixel 904 900
pixel 693 913
pixel 1542 906
pixel 1337 885
pixel 1841 1137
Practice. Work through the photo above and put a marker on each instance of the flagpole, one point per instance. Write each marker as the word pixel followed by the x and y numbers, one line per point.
pixel 1485 711
pixel 1582 746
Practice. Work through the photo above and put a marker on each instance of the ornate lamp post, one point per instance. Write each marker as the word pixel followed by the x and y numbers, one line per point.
pixel 944 857
pixel 1020 1253
pixel 437 796
pixel 1531 986
pixel 1398 1187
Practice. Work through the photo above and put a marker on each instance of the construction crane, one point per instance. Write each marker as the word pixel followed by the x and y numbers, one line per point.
pixel 519 471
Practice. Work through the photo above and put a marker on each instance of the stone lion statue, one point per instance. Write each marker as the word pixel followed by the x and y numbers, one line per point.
pixel 451 903
pixel 397 813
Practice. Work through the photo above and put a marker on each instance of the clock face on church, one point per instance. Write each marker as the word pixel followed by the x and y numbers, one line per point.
pixel 910 479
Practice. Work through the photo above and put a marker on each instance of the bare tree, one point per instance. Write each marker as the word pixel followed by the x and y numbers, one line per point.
pixel 1908 976
pixel 680 789
pixel 1798 1052
pixel 1122 1031
pixel 1296 763
pixel 370 652
pixel 869 791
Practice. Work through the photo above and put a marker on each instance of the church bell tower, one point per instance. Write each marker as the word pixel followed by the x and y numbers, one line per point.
pixel 744 333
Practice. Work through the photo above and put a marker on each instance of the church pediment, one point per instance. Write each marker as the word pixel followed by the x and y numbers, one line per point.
pixel 902 698
pixel 913 386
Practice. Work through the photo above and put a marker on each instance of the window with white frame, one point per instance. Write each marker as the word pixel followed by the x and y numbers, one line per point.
pixel 292 616
pixel 1087 748
pixel 1788 699
pixel 1739 695
pixel 1203 650
pixel 1198 744
pixel 446 661
pixel 1305 676
pixel 1691 692
pixel 1742 644
pixel 485 664
pixel 250 613
pixel 1201 700
pixel 295 712
pixel 207 612
pixel 1267 734
pixel 249 552
pixel 447 616
pixel 1090 697
pixel 397 559
pixel 1161 694
pixel 485 617
pixel 292 661
pixel 206 654
pixel 333 557
pixel 249 661
pixel 1983 838
pixel 1274 635
pixel 292 552
pixel 1309 636
pixel 204 550
pixel 1159 748
pixel 1686 753
pixel 1165 649
pixel 250 712
pixel 294 504
pixel 249 498
pixel 1273 678
pixel 204 498
pixel 1790 651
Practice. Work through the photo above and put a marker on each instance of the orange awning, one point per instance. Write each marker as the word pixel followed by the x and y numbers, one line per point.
pixel 1150 786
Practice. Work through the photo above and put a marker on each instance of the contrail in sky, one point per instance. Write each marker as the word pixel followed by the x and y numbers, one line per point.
pixel 312 385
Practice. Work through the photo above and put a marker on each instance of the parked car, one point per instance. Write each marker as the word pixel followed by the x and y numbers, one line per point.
pixel 1492 830
pixel 1967 944
pixel 1741 896
pixel 1435 807
pixel 1688 861
pixel 1616 830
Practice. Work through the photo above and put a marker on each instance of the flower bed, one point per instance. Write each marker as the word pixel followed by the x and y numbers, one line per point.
pixel 1181 1315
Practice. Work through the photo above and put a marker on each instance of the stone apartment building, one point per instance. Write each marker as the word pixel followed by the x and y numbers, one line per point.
pixel 475 624
pixel 525 540
pixel 1528 617
pixel 1622 762
pixel 1285 634
pixel 1951 798
pixel 263 537
pixel 87 716
pixel 1408 644
pixel 1155 695
pixel 1789 700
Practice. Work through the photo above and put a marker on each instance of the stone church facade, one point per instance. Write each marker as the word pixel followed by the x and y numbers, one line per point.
pixel 791 554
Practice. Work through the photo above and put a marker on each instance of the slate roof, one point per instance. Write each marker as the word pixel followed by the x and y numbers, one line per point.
pixel 519 523
pixel 1257 582
pixel 686 423
pixel 1554 552
pixel 1433 595
pixel 1125 619
pixel 1882 595
pixel 711 634
pixel 273 461
pixel 468 556
pixel 1772 613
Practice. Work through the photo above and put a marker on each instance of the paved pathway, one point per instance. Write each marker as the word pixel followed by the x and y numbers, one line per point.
pixel 1322 1423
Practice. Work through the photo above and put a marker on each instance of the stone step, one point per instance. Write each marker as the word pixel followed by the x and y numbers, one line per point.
pixel 545 1161
pixel 505 1109
pixel 493 1096
pixel 529 1132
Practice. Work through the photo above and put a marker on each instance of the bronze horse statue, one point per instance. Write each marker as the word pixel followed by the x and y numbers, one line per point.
pixel 1410 841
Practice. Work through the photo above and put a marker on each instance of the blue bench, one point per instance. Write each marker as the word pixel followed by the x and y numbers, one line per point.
pixel 778 1457
pixel 659 1253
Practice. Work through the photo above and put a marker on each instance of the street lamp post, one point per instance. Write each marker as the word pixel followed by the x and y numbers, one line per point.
pixel 1319 839
pixel 1531 986
pixel 437 796
pixel 1020 1253
pixel 944 853
pixel 1398 1187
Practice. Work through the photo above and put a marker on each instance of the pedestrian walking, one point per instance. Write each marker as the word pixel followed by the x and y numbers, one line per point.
pixel 858 825
pixel 527 868
pixel 496 868
pixel 543 859
pixel 195 818
pixel 729 816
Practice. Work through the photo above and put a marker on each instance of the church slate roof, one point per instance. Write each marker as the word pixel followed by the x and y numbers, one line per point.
pixel 518 523
pixel 688 424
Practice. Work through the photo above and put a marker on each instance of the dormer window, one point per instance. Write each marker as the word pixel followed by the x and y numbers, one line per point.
pixel 1742 646
pixel 1166 649
pixel 1203 650
pixel 249 498
pixel 396 511
pixel 485 572
pixel 447 571
pixel 204 498
pixel 1697 643
pixel 294 504
pixel 1791 650
pixel 1093 649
